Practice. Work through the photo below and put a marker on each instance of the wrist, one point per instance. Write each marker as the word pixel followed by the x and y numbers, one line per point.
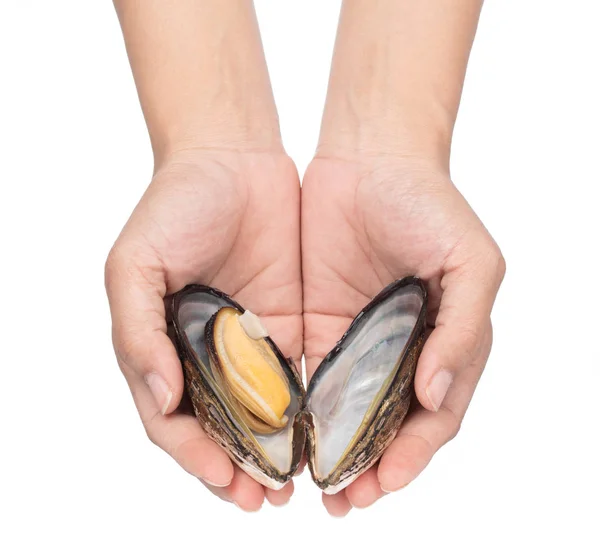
pixel 405 133
pixel 224 131
pixel 240 158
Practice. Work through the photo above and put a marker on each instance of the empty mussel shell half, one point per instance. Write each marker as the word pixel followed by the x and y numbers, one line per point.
pixel 361 391
pixel 250 399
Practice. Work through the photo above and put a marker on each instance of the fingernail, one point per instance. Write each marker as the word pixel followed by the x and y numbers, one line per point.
pixel 438 387
pixel 208 483
pixel 371 501
pixel 396 489
pixel 160 390
pixel 220 486
pixel 246 510
pixel 361 507
pixel 280 505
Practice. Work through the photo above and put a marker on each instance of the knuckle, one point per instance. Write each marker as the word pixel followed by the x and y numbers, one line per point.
pixel 500 265
pixel 151 434
pixel 496 263
pixel 486 344
pixel 128 347
pixel 177 450
pixel 468 336
pixel 489 336
pixel 454 430
pixel 454 424
pixel 153 430
pixel 112 265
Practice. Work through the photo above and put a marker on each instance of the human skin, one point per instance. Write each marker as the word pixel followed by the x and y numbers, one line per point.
pixel 378 204
pixel 222 209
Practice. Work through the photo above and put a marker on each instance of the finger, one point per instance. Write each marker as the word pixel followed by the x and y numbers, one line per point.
pixel 181 436
pixel 280 497
pixel 424 432
pixel 337 505
pixel 366 490
pixel 245 492
pixel 410 452
pixel 461 323
pixel 219 492
pixel 136 286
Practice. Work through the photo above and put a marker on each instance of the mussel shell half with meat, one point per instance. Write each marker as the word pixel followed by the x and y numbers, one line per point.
pixel 246 395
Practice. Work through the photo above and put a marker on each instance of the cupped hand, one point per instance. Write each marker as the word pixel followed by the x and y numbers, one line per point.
pixel 225 219
pixel 366 223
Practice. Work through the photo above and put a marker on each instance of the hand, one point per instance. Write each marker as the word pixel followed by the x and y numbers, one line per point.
pixel 365 224
pixel 223 219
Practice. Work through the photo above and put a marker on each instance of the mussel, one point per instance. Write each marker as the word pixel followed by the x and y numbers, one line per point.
pixel 250 399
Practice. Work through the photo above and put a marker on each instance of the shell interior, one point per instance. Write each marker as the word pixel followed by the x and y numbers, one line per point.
pixel 350 383
pixel 194 312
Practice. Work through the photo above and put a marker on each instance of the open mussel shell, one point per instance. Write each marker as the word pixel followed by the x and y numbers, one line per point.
pixel 355 403
pixel 361 391
pixel 270 457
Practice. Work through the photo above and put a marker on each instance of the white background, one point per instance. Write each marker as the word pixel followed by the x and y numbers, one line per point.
pixel 77 473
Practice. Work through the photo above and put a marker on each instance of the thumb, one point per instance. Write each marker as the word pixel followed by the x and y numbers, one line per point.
pixel 136 287
pixel 460 329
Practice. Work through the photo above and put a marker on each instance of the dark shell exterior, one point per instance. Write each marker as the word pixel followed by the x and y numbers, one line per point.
pixel 216 420
pixel 385 422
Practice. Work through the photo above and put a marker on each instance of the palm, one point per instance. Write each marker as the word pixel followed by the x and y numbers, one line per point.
pixel 207 221
pixel 361 230
pixel 363 226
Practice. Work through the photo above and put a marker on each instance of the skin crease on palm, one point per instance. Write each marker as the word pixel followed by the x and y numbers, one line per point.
pixel 225 209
